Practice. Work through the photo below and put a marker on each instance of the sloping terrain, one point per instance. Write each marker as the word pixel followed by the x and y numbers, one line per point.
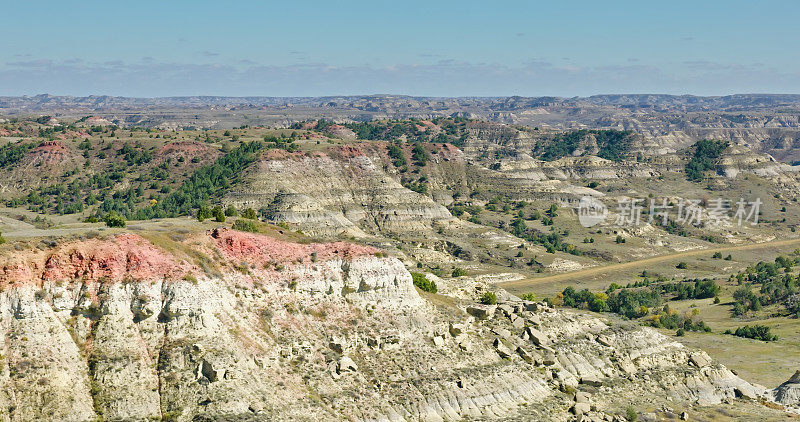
pixel 231 324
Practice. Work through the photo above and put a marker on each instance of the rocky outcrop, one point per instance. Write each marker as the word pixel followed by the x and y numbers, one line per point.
pixel 237 325
pixel 347 194
pixel 788 393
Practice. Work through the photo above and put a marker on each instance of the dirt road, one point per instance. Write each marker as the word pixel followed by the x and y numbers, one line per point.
pixel 642 263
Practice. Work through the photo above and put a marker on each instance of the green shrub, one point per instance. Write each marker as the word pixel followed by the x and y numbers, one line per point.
pixel 529 297
pixel 755 332
pixel 489 298
pixel 245 226
pixel 459 272
pixel 203 213
pixel 249 213
pixel 231 211
pixel 681 265
pixel 423 283
pixel 219 215
pixel 630 414
pixel 114 219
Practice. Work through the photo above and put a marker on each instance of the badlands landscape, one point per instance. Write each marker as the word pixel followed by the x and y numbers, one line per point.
pixel 400 258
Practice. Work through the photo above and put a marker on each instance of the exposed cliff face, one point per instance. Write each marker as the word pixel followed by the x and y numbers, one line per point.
pixel 788 393
pixel 349 192
pixel 230 324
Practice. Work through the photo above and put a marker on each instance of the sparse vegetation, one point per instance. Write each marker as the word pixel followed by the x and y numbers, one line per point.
pixel 489 298
pixel 705 158
pixel 423 283
pixel 245 225
pixel 755 332
pixel 458 272
pixel 613 144
pixel 114 219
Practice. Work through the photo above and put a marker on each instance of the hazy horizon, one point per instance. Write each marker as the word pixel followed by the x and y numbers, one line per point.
pixel 612 94
pixel 442 49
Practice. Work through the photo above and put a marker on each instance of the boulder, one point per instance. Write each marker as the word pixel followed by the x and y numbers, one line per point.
pixel 337 345
pixel 549 358
pixel 699 360
pixel 347 365
pixel 529 357
pixel 457 329
pixel 580 408
pixel 502 332
pixel 530 306
pixel 605 340
pixel 507 309
pixel 481 311
pixel 591 380
pixel 582 397
pixel 501 348
pixel 537 337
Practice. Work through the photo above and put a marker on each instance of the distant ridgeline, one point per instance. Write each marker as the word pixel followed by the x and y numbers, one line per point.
pixel 611 144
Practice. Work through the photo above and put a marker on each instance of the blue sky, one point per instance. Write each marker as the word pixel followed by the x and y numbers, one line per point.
pixel 435 48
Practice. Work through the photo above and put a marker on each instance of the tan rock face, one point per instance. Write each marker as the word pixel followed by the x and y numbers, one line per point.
pixel 345 336
pixel 327 195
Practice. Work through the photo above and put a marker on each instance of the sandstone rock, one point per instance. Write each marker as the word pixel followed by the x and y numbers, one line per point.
pixel 580 408
pixel 337 345
pixel 438 341
pixel 501 349
pixel 238 346
pixel 481 311
pixel 537 337
pixel 506 309
pixel 699 360
pixel 582 397
pixel 684 416
pixel 566 381
pixel 591 380
pixel 457 329
pixel 531 306
pixel 502 332
pixel 549 358
pixel 346 365
pixel 605 340
pixel 529 357
pixel 788 393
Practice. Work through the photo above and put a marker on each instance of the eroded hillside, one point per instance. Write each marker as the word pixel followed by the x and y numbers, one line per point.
pixel 230 324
